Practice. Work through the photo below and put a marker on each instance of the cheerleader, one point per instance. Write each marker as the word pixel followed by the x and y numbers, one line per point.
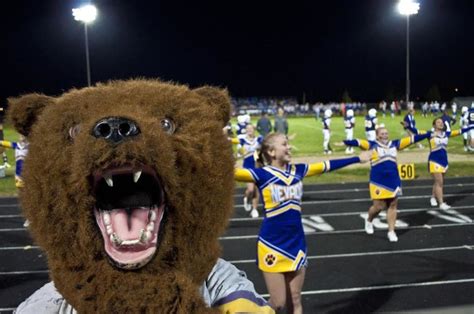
pixel 385 183
pixel 438 158
pixel 281 247
pixel 249 144
pixel 21 150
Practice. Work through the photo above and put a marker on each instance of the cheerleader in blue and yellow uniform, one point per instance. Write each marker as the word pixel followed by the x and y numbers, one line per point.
pixel 281 247
pixel 248 145
pixel 385 183
pixel 438 158
pixel 21 150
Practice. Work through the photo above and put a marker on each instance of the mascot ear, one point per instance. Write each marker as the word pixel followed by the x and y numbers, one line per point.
pixel 219 100
pixel 24 111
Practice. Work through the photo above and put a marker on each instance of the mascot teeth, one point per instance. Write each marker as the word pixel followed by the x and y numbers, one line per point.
pixel 144 237
pixel 106 217
pixel 115 239
pixel 109 180
pixel 136 176
pixel 129 212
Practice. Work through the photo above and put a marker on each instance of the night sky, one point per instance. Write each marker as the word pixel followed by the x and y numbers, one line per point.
pixel 254 48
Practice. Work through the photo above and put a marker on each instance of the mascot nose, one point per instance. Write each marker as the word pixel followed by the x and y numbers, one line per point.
pixel 115 129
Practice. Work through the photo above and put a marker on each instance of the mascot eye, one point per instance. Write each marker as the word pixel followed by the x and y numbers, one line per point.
pixel 74 131
pixel 168 126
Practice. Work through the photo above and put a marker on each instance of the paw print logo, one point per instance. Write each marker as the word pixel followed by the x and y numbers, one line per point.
pixel 270 259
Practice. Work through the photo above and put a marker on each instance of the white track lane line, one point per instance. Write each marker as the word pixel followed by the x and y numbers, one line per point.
pixel 22 248
pixel 12 229
pixel 369 199
pixel 10 216
pixel 438 249
pixel 408 210
pixel 363 254
pixel 26 272
pixel 366 189
pixel 395 286
pixel 358 230
pixel 316 233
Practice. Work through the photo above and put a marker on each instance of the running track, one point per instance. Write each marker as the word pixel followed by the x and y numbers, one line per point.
pixel 430 269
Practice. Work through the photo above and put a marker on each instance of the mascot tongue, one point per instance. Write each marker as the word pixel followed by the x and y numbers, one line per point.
pixel 130 235
pixel 128 225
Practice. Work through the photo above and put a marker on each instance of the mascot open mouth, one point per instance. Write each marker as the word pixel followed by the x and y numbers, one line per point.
pixel 129 211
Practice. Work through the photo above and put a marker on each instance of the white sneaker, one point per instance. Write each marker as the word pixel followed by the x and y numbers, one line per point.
pixel 330 152
pixel 254 213
pixel 444 206
pixel 26 223
pixel 392 236
pixel 247 206
pixel 369 227
pixel 433 202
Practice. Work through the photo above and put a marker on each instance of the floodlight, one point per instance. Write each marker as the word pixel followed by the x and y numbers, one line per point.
pixel 86 13
pixel 408 7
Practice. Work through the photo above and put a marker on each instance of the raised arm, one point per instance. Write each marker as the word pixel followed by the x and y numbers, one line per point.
pixel 330 165
pixel 459 132
pixel 243 175
pixel 407 141
pixel 416 131
pixel 363 144
pixel 234 140
pixel 8 144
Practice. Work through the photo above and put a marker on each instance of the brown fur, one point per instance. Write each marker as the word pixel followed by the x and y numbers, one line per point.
pixel 195 164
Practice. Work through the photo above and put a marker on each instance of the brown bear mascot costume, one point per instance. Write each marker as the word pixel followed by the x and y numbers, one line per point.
pixel 128 186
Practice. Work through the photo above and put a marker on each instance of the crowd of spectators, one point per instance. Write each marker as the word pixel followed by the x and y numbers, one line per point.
pixel 255 105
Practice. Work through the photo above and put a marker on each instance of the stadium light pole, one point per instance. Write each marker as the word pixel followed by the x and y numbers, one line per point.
pixel 87 15
pixel 408 7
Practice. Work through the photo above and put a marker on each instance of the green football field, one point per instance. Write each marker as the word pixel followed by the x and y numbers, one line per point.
pixel 309 136
pixel 308 141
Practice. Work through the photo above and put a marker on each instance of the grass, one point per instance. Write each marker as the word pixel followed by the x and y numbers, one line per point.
pixel 309 142
pixel 309 138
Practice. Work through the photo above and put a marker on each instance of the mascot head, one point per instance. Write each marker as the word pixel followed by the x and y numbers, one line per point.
pixel 128 186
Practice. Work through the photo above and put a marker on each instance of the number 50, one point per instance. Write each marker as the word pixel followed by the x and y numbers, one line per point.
pixel 406 171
